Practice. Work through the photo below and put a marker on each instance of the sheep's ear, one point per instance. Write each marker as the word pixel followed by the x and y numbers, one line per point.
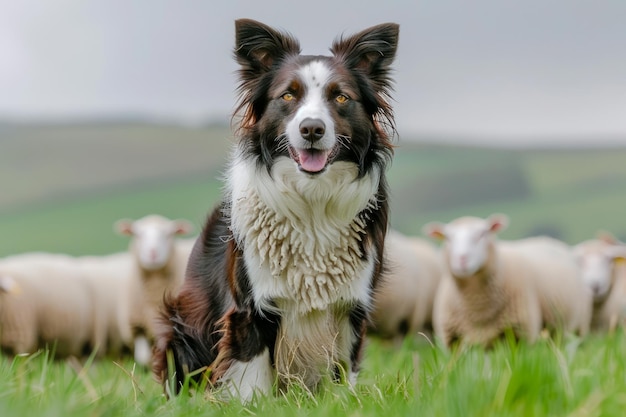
pixel 434 230
pixel 182 227
pixel 497 222
pixel 8 285
pixel 123 227
pixel 618 253
pixel 607 237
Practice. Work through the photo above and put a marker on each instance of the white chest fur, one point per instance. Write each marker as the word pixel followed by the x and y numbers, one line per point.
pixel 301 234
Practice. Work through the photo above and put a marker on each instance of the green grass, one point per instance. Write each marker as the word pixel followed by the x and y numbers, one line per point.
pixel 562 377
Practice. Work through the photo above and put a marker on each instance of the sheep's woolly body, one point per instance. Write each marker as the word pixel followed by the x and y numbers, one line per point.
pixel 86 302
pixel 565 302
pixel 404 299
pixel 80 303
pixel 479 309
pixel 52 307
pixel 115 299
pixel 523 285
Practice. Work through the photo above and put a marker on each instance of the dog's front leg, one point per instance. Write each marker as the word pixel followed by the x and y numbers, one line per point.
pixel 358 328
pixel 246 354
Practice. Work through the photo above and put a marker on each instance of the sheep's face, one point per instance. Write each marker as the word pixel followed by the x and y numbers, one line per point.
pixel 153 239
pixel 467 242
pixel 597 263
pixel 467 247
pixel 153 246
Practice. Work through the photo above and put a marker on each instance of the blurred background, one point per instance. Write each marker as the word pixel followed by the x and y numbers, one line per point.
pixel 112 109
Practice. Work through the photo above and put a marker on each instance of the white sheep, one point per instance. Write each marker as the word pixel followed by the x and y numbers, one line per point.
pixel 117 298
pixel 50 304
pixel 491 286
pixel 403 302
pixel 484 290
pixel 604 272
pixel 95 302
pixel 160 261
pixel 565 301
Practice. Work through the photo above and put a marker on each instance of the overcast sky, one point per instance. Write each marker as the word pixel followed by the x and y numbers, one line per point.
pixel 519 71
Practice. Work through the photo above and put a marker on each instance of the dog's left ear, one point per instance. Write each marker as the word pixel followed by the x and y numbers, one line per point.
pixel 371 51
pixel 258 46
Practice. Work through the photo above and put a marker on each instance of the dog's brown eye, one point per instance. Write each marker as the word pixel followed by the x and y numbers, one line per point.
pixel 287 97
pixel 341 98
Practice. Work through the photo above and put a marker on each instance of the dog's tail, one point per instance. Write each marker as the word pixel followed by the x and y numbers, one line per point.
pixel 183 350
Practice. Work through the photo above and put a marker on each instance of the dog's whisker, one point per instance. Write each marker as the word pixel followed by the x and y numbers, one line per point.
pixel 344 140
pixel 283 142
pixel 283 147
pixel 280 137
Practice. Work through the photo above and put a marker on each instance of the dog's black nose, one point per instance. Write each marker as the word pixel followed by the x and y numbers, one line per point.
pixel 312 129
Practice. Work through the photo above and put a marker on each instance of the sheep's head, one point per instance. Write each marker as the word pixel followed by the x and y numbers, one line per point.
pixel 153 239
pixel 467 241
pixel 597 259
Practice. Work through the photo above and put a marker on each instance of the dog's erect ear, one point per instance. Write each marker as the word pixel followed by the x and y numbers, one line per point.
pixel 258 46
pixel 371 51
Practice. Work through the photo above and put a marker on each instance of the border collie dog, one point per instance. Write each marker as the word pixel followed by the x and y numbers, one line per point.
pixel 279 285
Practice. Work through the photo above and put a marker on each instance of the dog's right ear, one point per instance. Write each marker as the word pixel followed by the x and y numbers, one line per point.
pixel 258 47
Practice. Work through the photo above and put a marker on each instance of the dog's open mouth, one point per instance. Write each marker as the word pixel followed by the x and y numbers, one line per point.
pixel 311 160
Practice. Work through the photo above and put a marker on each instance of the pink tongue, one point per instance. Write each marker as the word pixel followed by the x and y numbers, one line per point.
pixel 312 161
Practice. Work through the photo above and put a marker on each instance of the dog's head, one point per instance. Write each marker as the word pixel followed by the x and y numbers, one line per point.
pixel 315 110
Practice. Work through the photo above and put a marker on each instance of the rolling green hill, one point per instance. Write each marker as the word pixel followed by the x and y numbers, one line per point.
pixel 569 194
pixel 62 187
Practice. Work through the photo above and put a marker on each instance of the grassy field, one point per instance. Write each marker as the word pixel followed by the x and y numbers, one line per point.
pixel 554 377
pixel 64 186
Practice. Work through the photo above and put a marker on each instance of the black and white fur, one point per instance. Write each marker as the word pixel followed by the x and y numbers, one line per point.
pixel 279 285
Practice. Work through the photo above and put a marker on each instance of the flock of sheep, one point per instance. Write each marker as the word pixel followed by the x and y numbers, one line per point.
pixel 470 289
pixel 104 305
pixel 474 288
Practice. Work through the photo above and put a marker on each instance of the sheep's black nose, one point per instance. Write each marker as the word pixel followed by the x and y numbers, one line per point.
pixel 312 129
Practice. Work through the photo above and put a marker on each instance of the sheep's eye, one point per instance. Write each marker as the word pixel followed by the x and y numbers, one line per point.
pixel 341 98
pixel 287 97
